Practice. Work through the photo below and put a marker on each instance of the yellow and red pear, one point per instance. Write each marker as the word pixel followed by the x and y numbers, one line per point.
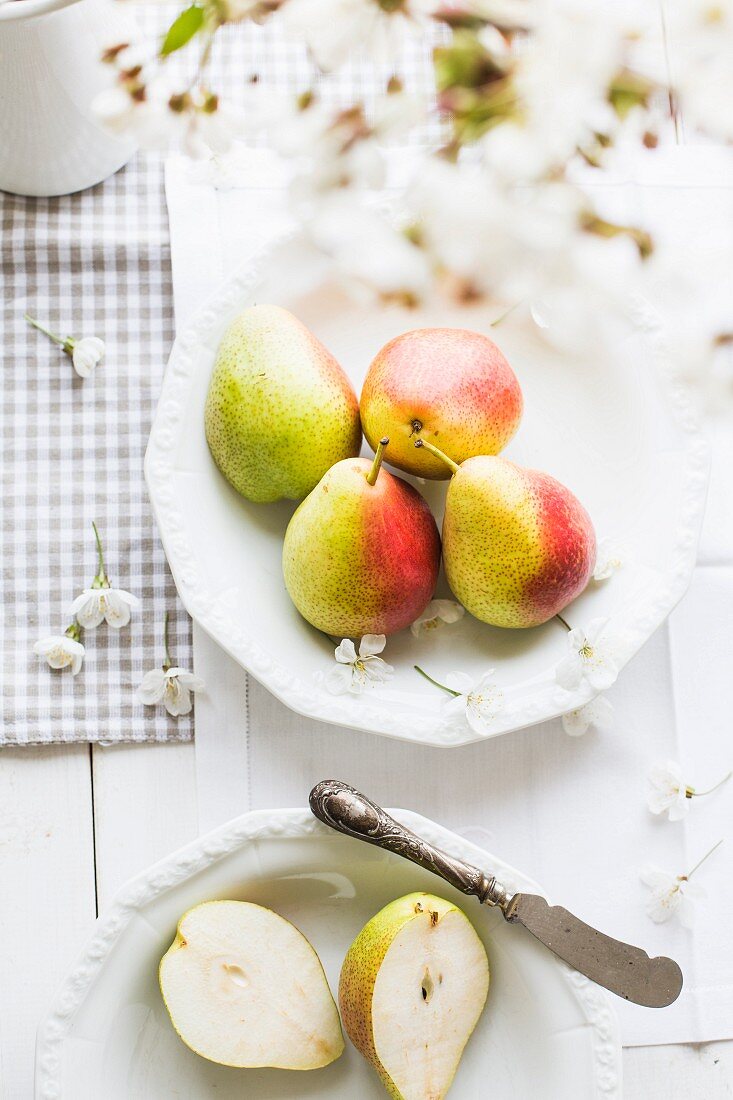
pixel 518 546
pixel 449 386
pixel 362 551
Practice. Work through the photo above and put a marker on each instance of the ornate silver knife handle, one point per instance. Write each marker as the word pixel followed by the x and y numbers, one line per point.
pixel 349 812
pixel 627 971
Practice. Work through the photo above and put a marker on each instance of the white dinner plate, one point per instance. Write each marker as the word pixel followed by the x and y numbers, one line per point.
pixel 615 428
pixel 546 1030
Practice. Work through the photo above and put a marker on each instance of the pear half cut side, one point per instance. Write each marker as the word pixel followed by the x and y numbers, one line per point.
pixel 413 986
pixel 244 987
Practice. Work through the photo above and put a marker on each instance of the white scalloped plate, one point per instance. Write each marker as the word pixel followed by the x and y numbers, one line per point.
pixel 546 1031
pixel 617 430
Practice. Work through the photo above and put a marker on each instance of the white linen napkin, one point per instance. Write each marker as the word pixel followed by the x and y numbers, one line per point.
pixel 570 812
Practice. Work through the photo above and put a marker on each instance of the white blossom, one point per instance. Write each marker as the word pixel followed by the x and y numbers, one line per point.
pixel 94 605
pixel 355 672
pixel 197 122
pixel 213 132
pixel 117 110
pixel 435 615
pixel 516 244
pixel 369 251
pixel 668 791
pixel 333 29
pixel 86 354
pixel 670 894
pixel 608 559
pixel 172 687
pixel 700 33
pixel 563 75
pixel 590 659
pixel 598 714
pixel 149 121
pixel 61 651
pixel 477 702
pixel 339 150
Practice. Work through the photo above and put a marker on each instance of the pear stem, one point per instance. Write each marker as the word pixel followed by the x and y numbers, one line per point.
pixel 567 626
pixel 377 464
pixel 438 454
pixel 435 682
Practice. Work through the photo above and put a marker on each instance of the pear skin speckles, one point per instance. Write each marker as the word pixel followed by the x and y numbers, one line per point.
pixel 451 387
pixel 280 410
pixel 359 558
pixel 518 546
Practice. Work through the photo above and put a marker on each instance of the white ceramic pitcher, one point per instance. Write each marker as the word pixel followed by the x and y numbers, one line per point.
pixel 50 141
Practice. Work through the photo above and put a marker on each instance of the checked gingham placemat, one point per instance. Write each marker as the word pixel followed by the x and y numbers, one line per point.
pixel 98 263
pixel 95 263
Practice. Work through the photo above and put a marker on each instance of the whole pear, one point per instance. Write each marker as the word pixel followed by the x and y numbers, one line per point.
pixel 412 988
pixel 280 410
pixel 244 987
pixel 449 386
pixel 518 546
pixel 362 552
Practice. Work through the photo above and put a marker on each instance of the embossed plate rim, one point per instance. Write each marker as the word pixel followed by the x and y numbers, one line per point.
pixel 258 825
pixel 541 698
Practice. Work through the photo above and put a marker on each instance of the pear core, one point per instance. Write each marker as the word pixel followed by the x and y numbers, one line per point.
pixel 244 987
pixel 412 988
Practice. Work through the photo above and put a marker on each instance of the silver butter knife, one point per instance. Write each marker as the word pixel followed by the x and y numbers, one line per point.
pixel 625 970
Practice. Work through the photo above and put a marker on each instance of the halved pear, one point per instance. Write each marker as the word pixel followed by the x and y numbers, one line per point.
pixel 413 985
pixel 245 988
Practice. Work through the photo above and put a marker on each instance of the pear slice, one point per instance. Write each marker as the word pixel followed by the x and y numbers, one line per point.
pixel 245 988
pixel 413 985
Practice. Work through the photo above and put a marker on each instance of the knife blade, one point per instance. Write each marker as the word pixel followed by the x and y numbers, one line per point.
pixel 619 967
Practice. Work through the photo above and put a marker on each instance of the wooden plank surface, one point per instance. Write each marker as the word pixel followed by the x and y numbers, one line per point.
pixel 144 808
pixel 47 892
pixel 222 754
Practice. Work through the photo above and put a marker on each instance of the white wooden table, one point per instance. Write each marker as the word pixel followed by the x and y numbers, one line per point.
pixel 77 821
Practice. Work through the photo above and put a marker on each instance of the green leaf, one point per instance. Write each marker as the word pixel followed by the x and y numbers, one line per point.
pixel 182 29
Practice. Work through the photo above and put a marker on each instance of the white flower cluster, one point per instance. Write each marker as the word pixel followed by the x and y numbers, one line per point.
pixel 96 604
pixel 100 603
pixel 527 92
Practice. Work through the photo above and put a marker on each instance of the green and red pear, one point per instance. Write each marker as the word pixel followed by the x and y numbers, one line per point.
pixel 449 386
pixel 518 546
pixel 362 551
